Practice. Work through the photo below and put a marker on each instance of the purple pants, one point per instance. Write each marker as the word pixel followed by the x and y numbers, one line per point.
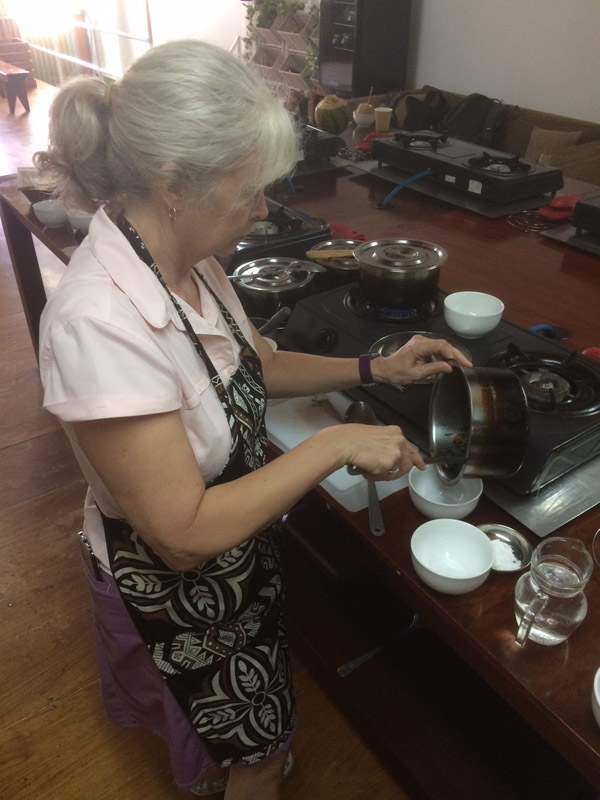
pixel 134 693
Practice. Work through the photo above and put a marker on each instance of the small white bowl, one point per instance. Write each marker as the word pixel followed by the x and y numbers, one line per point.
pixel 438 500
pixel 472 314
pixel 79 220
pixel 50 212
pixel 596 697
pixel 451 556
pixel 363 120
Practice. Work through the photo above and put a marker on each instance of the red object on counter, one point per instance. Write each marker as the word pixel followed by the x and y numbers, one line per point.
pixel 592 352
pixel 341 231
pixel 367 142
pixel 561 207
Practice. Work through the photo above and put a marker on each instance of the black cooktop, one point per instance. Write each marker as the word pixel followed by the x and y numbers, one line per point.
pixel 561 438
pixel 482 179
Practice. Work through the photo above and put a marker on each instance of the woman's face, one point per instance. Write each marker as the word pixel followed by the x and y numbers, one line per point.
pixel 226 219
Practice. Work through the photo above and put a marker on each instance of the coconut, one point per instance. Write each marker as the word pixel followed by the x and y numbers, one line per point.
pixel 365 108
pixel 332 114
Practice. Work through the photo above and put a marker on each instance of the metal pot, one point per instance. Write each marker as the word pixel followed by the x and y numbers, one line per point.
pixel 267 284
pixel 402 273
pixel 482 415
pixel 339 271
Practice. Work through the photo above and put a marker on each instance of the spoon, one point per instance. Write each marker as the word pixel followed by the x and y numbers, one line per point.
pixel 362 413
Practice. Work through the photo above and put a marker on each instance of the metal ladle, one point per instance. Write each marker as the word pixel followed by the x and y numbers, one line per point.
pixel 362 413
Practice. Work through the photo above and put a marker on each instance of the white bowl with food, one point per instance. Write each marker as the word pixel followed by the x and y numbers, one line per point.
pixel 451 556
pixel 438 500
pixel 51 212
pixel 472 314
pixel 363 120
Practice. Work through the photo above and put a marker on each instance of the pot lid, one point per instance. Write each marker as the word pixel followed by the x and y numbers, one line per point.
pixel 401 255
pixel 274 274
pixel 344 263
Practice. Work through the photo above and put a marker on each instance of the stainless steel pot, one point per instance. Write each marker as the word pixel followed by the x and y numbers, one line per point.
pixel 266 284
pixel 482 415
pixel 400 272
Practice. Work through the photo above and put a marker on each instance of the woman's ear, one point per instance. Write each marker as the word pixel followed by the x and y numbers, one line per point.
pixel 171 187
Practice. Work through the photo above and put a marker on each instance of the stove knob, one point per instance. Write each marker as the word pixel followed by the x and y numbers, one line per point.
pixel 325 340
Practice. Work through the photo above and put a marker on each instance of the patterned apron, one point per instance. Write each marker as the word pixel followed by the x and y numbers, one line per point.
pixel 215 632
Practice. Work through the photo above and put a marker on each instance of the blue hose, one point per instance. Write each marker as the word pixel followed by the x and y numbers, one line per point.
pixel 405 183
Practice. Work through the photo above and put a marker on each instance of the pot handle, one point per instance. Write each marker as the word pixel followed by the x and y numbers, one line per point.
pixel 533 609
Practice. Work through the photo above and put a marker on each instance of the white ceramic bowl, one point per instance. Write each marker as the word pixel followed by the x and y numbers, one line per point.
pixel 437 500
pixel 451 556
pixel 50 212
pixel 363 120
pixel 596 697
pixel 472 314
pixel 79 220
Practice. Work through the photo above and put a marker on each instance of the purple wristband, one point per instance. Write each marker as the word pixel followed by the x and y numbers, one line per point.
pixel 364 370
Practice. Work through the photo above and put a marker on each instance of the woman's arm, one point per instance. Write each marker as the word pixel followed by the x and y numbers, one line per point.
pixel 290 374
pixel 148 466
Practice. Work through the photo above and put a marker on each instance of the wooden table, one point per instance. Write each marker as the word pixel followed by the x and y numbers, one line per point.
pixel 15 79
pixel 20 226
pixel 349 589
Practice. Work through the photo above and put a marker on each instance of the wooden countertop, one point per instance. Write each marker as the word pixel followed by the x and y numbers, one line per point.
pixel 540 281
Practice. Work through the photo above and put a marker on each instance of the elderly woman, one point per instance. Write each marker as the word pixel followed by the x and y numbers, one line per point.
pixel 161 381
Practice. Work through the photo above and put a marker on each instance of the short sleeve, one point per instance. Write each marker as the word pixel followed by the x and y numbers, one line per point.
pixel 92 369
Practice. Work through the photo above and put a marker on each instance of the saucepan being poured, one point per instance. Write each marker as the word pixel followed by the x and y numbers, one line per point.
pixel 481 415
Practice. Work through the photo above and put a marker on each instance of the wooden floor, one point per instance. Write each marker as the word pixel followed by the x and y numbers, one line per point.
pixel 55 741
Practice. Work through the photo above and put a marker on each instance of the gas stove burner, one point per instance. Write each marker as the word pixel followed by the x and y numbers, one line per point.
pixel 563 387
pixel 356 302
pixel 279 223
pixel 501 166
pixel 545 387
pixel 421 140
pixel 264 227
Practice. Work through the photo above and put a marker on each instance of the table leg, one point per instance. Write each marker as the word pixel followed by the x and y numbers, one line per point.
pixel 26 268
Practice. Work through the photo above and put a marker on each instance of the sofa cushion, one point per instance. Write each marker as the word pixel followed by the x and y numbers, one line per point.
pixel 548 141
pixel 581 161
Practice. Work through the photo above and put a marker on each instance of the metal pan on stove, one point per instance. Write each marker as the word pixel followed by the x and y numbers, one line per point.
pixel 394 341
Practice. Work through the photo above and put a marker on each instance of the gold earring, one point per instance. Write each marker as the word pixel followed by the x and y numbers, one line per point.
pixel 173 215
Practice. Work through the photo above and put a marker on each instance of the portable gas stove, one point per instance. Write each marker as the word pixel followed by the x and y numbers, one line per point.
pixel 468 175
pixel 561 471
pixel 283 233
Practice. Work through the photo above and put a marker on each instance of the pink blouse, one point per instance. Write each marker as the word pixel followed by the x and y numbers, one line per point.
pixel 113 345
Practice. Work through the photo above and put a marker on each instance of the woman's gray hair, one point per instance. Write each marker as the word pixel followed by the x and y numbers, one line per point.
pixel 186 113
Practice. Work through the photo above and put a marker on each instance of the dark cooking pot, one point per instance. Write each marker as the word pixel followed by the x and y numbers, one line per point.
pixel 339 271
pixel 481 414
pixel 400 272
pixel 266 284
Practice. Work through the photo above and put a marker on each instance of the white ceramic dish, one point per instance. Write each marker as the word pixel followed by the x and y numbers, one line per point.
pixel 472 314
pixel 438 500
pixel 363 120
pixel 79 220
pixel 596 697
pixel 50 212
pixel 451 555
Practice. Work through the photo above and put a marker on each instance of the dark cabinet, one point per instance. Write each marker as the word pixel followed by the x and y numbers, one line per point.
pixel 363 45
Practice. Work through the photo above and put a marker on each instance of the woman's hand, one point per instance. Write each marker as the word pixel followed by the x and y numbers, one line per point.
pixel 379 452
pixel 421 358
